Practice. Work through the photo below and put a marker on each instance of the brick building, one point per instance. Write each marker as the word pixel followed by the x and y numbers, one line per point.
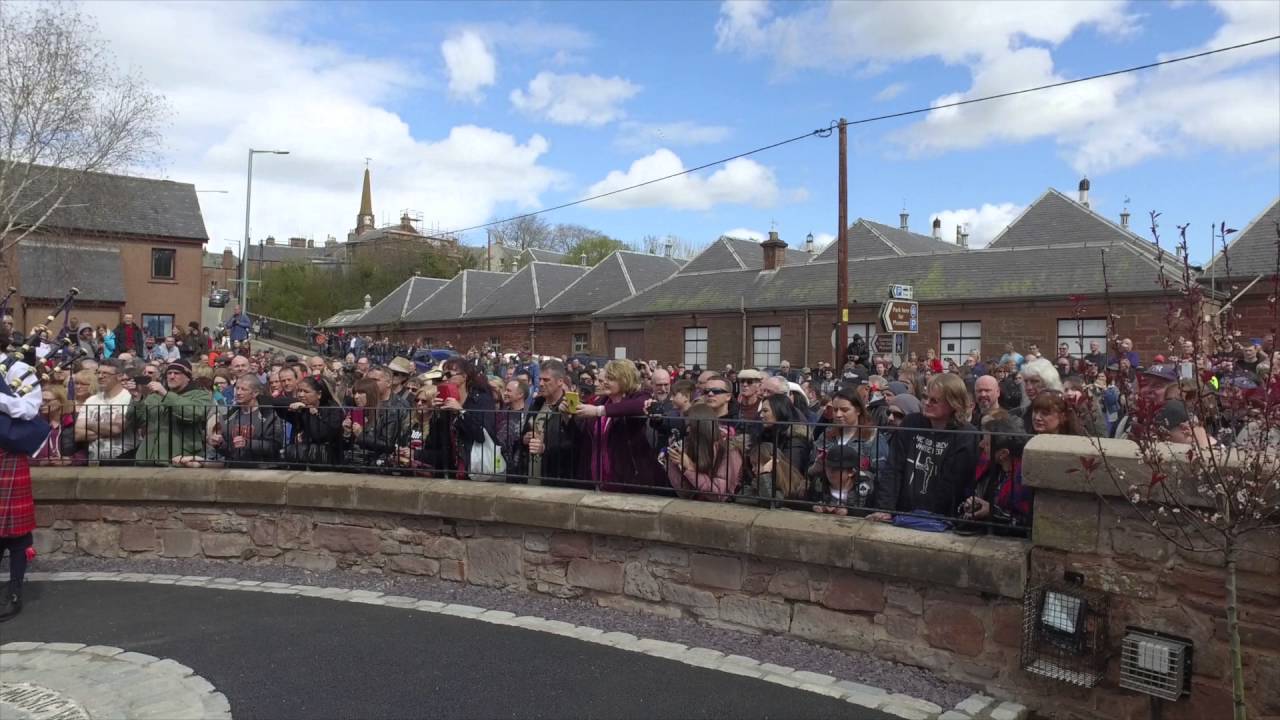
pixel 130 244
pixel 1249 267
pixel 220 271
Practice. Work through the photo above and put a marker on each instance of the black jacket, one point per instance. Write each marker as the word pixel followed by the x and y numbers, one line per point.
pixel 931 471
pixel 563 439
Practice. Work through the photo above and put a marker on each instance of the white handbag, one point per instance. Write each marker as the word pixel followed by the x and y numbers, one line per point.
pixel 486 463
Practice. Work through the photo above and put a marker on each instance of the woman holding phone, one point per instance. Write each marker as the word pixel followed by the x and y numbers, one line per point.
pixel 467 397
pixel 317 424
pixel 620 456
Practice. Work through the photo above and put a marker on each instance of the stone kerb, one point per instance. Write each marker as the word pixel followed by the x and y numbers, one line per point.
pixel 988 565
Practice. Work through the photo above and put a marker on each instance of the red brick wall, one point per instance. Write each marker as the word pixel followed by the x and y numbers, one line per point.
pixel 1023 323
pixel 1256 314
pixel 550 338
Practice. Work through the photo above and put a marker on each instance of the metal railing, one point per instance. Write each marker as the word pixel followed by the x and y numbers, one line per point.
pixel 923 478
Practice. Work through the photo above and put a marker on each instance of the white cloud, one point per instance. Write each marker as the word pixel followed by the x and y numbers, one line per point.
pixel 1229 101
pixel 744 234
pixel 890 91
pixel 983 223
pixel 326 106
pixel 647 137
pixel 470 64
pixel 742 181
pixel 822 240
pixel 573 99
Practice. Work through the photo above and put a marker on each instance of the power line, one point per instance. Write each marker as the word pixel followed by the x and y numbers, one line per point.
pixel 826 131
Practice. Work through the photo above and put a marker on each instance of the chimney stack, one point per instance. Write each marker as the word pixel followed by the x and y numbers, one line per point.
pixel 902 220
pixel 962 237
pixel 1124 218
pixel 331 241
pixel 937 229
pixel 311 243
pixel 1084 192
pixel 271 240
pixel 228 259
pixel 667 248
pixel 774 251
pixel 297 242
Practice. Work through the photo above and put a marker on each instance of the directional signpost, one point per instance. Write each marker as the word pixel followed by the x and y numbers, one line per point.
pixel 884 343
pixel 900 316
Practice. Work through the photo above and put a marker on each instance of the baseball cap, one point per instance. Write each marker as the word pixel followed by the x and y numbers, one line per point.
pixel 1164 371
pixel 842 457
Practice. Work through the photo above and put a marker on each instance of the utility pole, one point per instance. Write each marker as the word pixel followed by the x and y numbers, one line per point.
pixel 842 252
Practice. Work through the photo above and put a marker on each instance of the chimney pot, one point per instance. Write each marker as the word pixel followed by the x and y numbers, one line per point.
pixel 368 301
pixel 937 229
pixel 1084 192
pixel 311 243
pixel 902 220
pixel 271 240
pixel 774 251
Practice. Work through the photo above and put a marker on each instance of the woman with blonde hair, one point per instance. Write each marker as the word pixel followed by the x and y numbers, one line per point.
pixel 932 455
pixel 60 447
pixel 619 456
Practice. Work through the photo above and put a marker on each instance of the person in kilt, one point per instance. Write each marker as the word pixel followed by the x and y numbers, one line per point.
pixel 17 509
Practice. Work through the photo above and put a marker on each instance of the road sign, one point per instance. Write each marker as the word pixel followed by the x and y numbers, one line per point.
pixel 902 292
pixel 884 343
pixel 900 316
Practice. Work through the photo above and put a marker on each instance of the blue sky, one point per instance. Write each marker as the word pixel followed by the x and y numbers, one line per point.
pixel 473 112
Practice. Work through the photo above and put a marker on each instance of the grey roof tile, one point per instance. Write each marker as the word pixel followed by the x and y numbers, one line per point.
pixel 1253 251
pixel 533 285
pixel 615 278
pixel 728 253
pixel 1031 272
pixel 285 253
pixel 455 297
pixel 49 270
pixel 543 255
pixel 869 239
pixel 117 204
pixel 344 318
pixel 408 295
pixel 1055 219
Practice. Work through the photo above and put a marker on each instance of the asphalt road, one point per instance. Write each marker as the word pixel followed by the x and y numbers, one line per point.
pixel 284 656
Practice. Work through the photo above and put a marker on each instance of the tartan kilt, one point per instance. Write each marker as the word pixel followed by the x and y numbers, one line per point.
pixel 17 508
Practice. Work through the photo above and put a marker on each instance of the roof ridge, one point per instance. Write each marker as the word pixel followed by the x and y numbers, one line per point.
pixel 877 233
pixel 533 281
pixel 729 246
pixel 1266 210
pixel 427 299
pixel 626 275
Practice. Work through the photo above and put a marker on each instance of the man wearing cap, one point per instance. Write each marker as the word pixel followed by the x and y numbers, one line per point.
pixel 1153 383
pixel 749 381
pixel 173 414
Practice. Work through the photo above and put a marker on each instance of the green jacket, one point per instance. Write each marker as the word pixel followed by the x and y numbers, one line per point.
pixel 171 425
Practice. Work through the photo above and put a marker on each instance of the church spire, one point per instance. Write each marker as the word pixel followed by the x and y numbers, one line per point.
pixel 364 221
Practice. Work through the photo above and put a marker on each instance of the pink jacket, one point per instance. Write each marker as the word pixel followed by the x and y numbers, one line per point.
pixel 717 486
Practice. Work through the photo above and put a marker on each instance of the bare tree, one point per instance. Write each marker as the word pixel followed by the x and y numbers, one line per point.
pixel 65 110
pixel 522 233
pixel 1206 498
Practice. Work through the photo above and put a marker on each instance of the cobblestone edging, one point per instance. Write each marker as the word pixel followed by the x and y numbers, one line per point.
pixel 976 707
pixel 100 681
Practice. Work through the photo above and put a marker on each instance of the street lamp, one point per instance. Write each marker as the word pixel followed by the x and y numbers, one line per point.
pixel 244 254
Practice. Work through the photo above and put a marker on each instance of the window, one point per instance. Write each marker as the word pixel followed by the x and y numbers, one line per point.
pixel 579 342
pixel 162 263
pixel 695 346
pixel 157 326
pixel 767 346
pixel 1077 334
pixel 959 339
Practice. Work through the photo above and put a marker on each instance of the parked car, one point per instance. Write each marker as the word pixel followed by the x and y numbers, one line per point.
pixel 428 358
pixel 219 298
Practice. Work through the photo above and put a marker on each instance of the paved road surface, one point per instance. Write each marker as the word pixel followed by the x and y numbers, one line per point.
pixel 284 656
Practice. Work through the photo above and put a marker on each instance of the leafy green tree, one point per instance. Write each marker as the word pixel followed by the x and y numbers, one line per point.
pixel 594 248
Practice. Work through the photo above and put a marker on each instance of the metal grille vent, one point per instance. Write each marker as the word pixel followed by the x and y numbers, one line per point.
pixel 1154 664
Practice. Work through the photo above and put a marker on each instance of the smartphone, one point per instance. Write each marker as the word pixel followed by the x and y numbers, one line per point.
pixel 571 402
pixel 447 391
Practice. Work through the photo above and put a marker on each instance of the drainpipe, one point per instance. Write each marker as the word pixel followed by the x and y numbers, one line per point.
pixel 806 337
pixel 742 307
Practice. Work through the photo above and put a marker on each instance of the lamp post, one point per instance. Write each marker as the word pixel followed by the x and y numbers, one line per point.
pixel 244 254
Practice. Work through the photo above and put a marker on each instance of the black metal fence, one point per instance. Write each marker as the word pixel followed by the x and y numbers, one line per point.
pixel 929 479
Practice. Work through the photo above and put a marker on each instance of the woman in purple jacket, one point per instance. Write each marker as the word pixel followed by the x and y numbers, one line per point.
pixel 619 456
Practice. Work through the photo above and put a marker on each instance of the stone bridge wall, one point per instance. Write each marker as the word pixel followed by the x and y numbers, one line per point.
pixel 952 604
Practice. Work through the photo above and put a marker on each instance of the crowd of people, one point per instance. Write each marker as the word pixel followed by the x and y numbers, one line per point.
pixel 928 444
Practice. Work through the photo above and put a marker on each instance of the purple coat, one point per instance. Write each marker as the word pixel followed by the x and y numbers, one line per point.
pixel 632 460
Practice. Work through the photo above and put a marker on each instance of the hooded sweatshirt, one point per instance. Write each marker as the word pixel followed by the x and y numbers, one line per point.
pixel 85 341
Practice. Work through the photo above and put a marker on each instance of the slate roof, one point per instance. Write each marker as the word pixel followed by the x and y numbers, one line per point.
pixel 457 296
pixel 541 255
pixel 392 308
pixel 728 253
pixel 527 290
pixel 1055 219
pixel 869 239
pixel 1010 273
pixel 117 204
pixel 615 278
pixel 1253 250
pixel 344 318
pixel 48 270
pixel 285 253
